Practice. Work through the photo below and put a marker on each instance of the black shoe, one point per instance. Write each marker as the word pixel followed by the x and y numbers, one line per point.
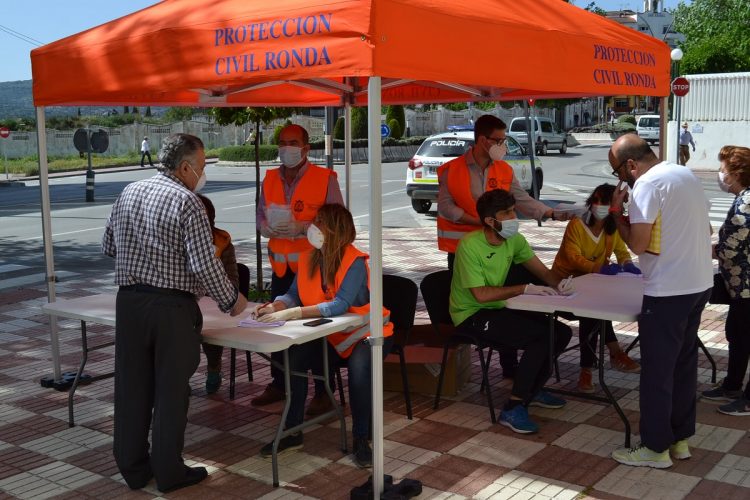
pixel 141 483
pixel 193 475
pixel 362 453
pixel 289 443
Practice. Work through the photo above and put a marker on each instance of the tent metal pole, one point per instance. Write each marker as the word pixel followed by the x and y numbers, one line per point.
pixel 41 134
pixel 348 153
pixel 376 277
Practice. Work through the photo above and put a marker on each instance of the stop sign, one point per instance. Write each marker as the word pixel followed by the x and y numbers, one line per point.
pixel 680 86
pixel 4 132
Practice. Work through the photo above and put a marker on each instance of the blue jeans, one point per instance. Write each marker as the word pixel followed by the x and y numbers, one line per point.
pixel 303 357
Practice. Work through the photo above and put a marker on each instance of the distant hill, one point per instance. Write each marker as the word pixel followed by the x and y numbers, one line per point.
pixel 16 102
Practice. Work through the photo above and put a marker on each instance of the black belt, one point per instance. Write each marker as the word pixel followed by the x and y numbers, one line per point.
pixel 155 289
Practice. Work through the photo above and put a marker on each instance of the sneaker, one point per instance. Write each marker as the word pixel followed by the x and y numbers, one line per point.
pixel 721 395
pixel 362 453
pixel 585 383
pixel 518 420
pixel 319 405
pixel 739 407
pixel 623 363
pixel 640 456
pixel 544 399
pixel 270 395
pixel 213 382
pixel 287 444
pixel 680 450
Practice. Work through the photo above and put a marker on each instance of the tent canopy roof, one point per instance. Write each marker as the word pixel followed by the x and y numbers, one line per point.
pixel 301 53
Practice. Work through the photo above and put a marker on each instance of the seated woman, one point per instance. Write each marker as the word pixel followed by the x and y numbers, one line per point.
pixel 225 253
pixel 332 279
pixel 586 248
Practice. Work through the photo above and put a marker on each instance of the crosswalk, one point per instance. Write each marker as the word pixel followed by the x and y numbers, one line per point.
pixel 17 276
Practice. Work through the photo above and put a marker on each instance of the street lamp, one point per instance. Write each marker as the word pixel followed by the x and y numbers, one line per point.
pixel 676 56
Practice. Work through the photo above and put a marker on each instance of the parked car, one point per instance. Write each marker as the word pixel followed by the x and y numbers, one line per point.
pixel 547 134
pixel 648 128
pixel 421 174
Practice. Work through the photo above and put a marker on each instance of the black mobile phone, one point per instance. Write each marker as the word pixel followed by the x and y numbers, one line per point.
pixel 317 322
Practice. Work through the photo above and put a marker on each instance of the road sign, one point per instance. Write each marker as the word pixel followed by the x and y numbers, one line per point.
pixel 4 132
pixel 680 86
pixel 385 131
pixel 532 101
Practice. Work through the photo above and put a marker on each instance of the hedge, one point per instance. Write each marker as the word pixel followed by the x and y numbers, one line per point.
pixel 268 152
pixel 362 143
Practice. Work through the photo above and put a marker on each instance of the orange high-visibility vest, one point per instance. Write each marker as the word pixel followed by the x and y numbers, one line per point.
pixel 456 174
pixel 308 196
pixel 311 293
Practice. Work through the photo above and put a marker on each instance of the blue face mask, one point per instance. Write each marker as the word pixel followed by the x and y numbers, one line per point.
pixel 508 228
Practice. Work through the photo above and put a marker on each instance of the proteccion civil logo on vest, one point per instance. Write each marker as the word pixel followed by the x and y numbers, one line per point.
pixel 299 206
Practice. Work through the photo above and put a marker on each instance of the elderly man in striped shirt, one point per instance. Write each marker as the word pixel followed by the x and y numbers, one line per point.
pixel 161 240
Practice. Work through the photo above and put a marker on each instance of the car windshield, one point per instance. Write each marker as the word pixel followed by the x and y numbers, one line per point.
pixel 514 149
pixel 649 122
pixel 444 147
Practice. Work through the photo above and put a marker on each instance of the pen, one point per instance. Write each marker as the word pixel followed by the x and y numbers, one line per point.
pixel 259 308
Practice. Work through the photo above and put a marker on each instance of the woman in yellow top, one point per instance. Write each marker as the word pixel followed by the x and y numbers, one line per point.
pixel 586 247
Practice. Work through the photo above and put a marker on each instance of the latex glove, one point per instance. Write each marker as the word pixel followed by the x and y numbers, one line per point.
pixel 630 268
pixel 565 287
pixel 282 229
pixel 239 305
pixel 539 290
pixel 610 269
pixel 283 315
pixel 263 309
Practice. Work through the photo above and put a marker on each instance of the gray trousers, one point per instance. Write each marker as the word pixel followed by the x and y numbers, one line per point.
pixel 668 333
pixel 157 350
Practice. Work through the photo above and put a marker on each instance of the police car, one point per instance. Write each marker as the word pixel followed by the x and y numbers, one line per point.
pixel 421 174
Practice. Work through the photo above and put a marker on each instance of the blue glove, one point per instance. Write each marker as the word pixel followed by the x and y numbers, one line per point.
pixel 630 268
pixel 610 269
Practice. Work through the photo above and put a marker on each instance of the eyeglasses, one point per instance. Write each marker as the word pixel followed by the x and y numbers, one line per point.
pixel 499 141
pixel 616 171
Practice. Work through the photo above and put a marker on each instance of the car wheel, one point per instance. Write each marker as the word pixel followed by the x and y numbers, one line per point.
pixel 539 182
pixel 421 206
pixel 542 149
pixel 564 148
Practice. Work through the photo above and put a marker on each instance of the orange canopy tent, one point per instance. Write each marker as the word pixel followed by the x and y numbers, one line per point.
pixel 342 53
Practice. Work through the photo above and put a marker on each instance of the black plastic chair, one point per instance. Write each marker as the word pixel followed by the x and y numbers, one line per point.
pixel 400 298
pixel 436 289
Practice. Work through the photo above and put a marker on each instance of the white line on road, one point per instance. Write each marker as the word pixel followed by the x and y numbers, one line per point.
pixel 239 206
pixel 69 232
pixel 384 211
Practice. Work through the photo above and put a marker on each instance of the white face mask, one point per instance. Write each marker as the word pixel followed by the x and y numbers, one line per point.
pixel 290 156
pixel 508 228
pixel 600 211
pixel 497 151
pixel 723 182
pixel 315 236
pixel 201 180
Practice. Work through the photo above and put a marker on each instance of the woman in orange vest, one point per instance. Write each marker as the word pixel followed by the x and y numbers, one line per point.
pixel 332 279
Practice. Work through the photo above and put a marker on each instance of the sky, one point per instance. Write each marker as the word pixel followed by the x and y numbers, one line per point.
pixel 45 21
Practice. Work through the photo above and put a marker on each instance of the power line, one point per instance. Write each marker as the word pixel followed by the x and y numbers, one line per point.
pixel 21 36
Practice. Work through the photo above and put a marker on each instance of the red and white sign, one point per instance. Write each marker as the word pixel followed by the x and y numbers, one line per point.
pixel 4 132
pixel 680 86
pixel 532 101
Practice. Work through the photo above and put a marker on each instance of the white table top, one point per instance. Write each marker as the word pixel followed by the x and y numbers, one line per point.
pixel 598 296
pixel 218 328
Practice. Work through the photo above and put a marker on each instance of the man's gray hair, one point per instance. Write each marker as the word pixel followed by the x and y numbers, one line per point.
pixel 176 147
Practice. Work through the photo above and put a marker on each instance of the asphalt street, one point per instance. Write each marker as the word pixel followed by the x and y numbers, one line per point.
pixel 77 225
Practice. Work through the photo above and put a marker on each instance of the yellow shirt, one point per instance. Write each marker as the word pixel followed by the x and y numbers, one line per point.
pixel 581 254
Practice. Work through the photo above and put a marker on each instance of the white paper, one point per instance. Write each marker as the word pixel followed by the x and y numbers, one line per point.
pixel 277 215
pixel 251 322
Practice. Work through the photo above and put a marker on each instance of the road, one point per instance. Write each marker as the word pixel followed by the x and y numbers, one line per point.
pixel 77 226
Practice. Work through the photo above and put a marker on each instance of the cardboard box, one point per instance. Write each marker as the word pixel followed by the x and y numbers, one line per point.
pixel 423 370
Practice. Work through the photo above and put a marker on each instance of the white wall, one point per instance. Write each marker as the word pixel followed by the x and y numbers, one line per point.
pixel 709 137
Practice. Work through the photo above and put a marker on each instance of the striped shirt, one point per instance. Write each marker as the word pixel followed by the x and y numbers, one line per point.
pixel 159 235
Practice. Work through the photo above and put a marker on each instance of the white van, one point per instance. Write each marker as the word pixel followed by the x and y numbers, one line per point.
pixel 648 128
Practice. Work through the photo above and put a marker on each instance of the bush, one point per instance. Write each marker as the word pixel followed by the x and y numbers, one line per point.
pixel 338 129
pixel 626 119
pixel 276 134
pixel 359 123
pixel 247 153
pixel 396 113
pixel 396 131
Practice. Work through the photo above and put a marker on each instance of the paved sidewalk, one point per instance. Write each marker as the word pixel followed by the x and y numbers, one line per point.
pixel 455 451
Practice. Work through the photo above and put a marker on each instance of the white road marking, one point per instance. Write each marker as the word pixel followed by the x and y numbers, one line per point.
pixel 384 211
pixel 69 232
pixel 239 206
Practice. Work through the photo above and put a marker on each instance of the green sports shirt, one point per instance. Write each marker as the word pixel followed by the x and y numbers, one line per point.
pixel 480 263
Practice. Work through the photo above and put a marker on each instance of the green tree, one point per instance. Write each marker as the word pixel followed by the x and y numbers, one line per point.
pixel 592 7
pixel 135 110
pixel 456 106
pixel 256 116
pixel 125 110
pixel 178 114
pixel 359 122
pixel 717 35
pixel 148 111
pixel 396 131
pixel 338 129
pixel 396 113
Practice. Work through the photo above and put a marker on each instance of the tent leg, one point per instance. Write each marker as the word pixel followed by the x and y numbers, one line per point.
pixel 41 131
pixel 348 152
pixel 374 152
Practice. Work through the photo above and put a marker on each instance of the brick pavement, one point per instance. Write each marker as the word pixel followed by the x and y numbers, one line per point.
pixel 455 451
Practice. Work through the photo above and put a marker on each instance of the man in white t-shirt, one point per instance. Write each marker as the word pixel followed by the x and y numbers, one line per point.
pixel 146 151
pixel 669 230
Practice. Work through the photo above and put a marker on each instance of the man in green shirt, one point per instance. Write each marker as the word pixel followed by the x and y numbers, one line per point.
pixel 477 304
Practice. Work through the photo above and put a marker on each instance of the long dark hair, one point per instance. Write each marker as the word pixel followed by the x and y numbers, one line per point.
pixel 337 225
pixel 602 194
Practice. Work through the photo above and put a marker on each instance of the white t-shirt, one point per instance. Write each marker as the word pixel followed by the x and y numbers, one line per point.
pixel 145 146
pixel 678 261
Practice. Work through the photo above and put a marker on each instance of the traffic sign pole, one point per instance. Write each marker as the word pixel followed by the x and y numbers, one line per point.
pixel 680 88
pixel 89 171
pixel 4 134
